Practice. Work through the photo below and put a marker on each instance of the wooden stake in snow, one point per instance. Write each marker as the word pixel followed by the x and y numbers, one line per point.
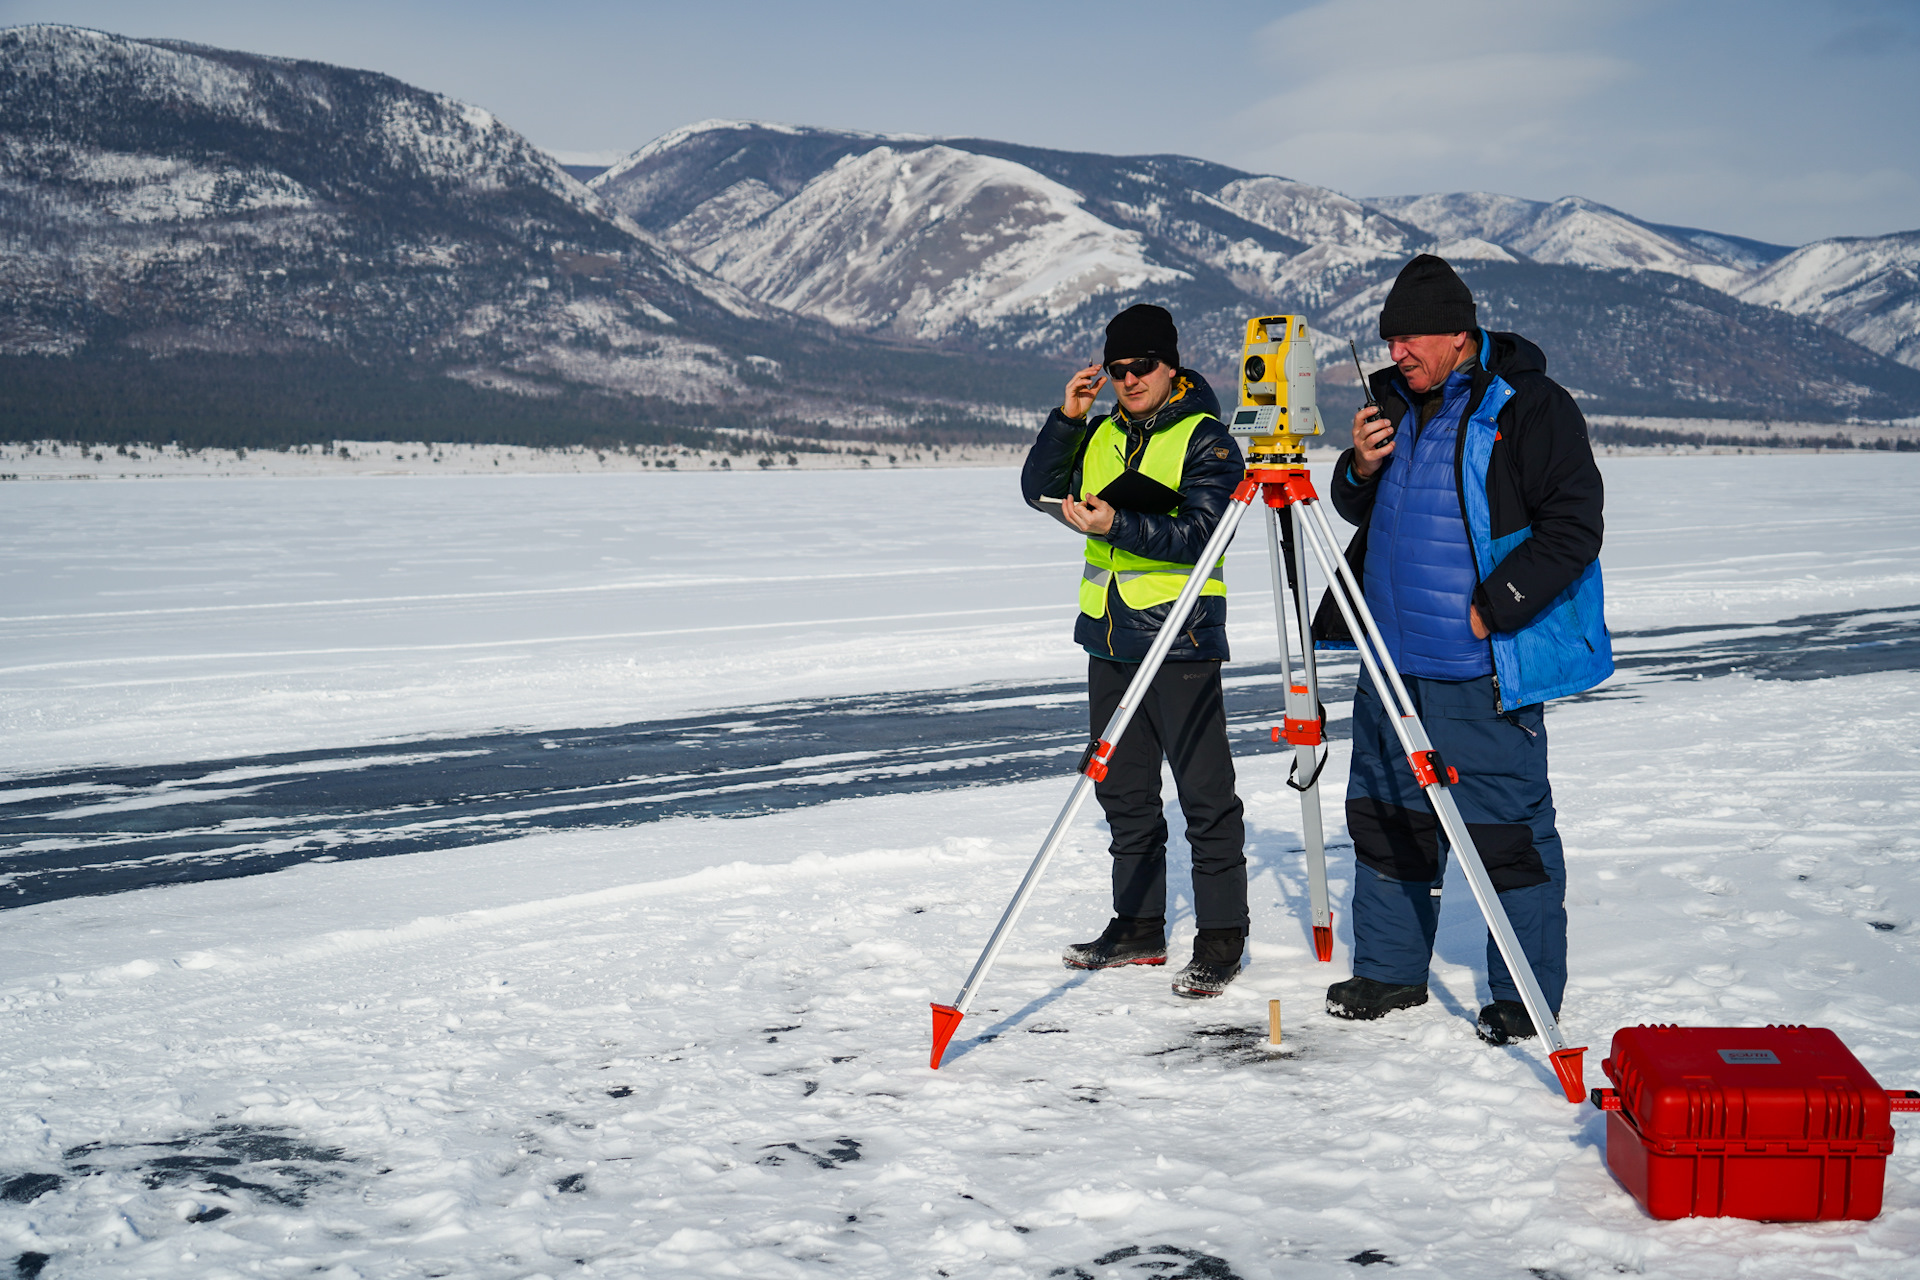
pixel 1273 1023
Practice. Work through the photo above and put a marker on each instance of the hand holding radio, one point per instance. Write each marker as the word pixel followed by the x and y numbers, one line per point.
pixel 1372 432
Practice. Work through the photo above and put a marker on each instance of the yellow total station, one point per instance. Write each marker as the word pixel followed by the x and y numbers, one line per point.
pixel 1279 408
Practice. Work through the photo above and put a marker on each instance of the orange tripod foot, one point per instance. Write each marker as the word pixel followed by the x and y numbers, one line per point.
pixel 946 1021
pixel 1569 1065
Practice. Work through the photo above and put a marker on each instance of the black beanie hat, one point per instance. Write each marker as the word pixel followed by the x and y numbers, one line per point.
pixel 1427 298
pixel 1142 330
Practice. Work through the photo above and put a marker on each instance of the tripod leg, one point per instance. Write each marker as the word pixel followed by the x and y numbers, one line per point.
pixel 1309 757
pixel 1093 766
pixel 1302 728
pixel 1430 772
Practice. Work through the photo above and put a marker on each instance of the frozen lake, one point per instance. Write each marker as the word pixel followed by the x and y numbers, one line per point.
pixel 689 1046
pixel 196 619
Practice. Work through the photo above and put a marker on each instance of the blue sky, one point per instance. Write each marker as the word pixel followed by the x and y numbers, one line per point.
pixel 1785 122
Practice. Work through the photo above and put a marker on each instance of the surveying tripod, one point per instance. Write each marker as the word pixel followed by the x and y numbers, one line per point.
pixel 1279 411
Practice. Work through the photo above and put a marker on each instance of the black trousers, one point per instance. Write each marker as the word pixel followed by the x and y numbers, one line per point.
pixel 1183 719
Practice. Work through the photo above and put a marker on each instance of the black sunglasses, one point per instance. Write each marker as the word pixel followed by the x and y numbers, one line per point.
pixel 1120 370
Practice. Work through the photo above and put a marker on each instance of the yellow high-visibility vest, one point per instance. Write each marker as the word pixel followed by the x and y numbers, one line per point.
pixel 1142 583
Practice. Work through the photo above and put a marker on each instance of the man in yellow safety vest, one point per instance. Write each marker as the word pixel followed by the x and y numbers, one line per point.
pixel 1166 426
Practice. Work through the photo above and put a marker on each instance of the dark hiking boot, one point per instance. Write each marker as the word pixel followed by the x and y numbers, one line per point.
pixel 1364 999
pixel 1125 941
pixel 1505 1021
pixel 1215 963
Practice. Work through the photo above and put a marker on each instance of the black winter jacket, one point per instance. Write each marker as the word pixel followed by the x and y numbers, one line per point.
pixel 1212 470
pixel 1541 473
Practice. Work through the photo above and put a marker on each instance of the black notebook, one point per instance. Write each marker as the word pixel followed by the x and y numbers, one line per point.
pixel 1131 491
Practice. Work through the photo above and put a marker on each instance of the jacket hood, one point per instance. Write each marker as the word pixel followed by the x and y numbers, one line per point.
pixel 1509 353
pixel 1192 395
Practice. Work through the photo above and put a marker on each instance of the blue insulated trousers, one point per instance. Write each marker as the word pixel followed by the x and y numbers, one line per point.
pixel 1399 849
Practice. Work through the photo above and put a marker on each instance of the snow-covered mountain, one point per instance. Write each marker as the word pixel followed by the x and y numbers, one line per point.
pixel 167 198
pixel 218 209
pixel 987 242
pixel 174 220
pixel 947 242
pixel 1657 343
pixel 1582 233
pixel 966 240
pixel 1867 288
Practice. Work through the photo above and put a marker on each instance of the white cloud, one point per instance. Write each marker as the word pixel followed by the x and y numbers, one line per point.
pixel 1366 89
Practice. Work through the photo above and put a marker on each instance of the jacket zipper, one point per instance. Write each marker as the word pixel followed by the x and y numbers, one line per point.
pixel 1460 496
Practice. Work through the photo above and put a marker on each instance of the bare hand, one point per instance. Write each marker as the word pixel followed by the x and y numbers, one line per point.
pixel 1094 516
pixel 1371 447
pixel 1480 628
pixel 1081 389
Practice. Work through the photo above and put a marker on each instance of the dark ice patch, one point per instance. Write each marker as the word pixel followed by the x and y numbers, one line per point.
pixel 1812 646
pixel 25 1188
pixel 1235 1046
pixel 843 1151
pixel 1165 1261
pixel 1371 1258
pixel 272 1164
pixel 29 1265
pixel 505 785
pixel 573 1184
pixel 735 762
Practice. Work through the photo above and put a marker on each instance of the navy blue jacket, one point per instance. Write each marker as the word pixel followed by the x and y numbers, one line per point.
pixel 1532 499
pixel 1210 473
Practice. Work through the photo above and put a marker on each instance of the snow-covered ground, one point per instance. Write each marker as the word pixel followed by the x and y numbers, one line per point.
pixel 698 1047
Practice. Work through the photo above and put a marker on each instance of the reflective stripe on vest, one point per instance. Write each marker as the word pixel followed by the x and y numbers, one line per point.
pixel 1142 582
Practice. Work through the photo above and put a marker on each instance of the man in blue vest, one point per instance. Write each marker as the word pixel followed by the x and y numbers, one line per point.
pixel 1167 427
pixel 1479 512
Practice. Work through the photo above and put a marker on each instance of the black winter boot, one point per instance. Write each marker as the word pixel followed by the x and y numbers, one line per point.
pixel 1364 999
pixel 1215 963
pixel 1505 1021
pixel 1127 940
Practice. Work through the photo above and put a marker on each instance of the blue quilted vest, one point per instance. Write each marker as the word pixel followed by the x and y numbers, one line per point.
pixel 1420 570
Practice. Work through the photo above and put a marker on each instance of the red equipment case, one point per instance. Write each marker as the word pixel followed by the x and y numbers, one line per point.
pixel 1775 1123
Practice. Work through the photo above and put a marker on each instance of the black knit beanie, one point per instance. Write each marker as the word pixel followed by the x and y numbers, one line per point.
pixel 1142 330
pixel 1427 298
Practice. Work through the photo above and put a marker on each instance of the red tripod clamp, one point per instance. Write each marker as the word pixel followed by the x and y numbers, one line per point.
pixel 1093 761
pixel 1299 733
pixel 1302 733
pixel 1429 768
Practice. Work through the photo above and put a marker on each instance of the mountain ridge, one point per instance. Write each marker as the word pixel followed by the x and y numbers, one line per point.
pixel 179 222
pixel 160 199
pixel 766 208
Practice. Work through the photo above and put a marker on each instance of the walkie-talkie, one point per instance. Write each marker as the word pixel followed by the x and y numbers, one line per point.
pixel 1366 389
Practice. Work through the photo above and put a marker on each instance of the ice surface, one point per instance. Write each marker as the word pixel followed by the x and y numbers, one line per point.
pixel 697 1047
